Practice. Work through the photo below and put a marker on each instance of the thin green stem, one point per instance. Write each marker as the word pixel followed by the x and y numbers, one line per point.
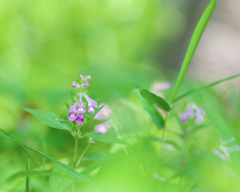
pixel 75 151
pixel 84 151
pixel 183 158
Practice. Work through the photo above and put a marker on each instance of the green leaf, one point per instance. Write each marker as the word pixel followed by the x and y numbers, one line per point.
pixel 101 157
pixel 197 34
pixel 58 184
pixel 90 116
pixel 79 176
pixel 50 119
pixel 205 87
pixel 149 107
pixel 67 106
pixel 159 101
pixel 105 138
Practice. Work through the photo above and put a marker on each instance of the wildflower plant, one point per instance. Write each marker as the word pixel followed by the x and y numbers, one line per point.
pixel 85 109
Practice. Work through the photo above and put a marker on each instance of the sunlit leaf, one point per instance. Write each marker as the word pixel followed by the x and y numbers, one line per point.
pixel 197 34
pixel 205 87
pixel 105 138
pixel 149 107
pixel 58 184
pixel 50 119
pixel 71 170
pixel 158 101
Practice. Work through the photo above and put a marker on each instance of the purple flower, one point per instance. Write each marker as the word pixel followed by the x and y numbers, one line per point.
pixel 91 104
pixel 72 113
pixel 103 127
pixel 88 77
pixel 160 86
pixel 80 119
pixel 81 109
pixel 80 76
pixel 104 113
pixel 74 84
pixel 193 112
pixel 86 84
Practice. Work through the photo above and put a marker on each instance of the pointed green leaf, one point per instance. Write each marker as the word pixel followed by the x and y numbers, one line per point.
pixel 205 87
pixel 71 170
pixel 149 107
pixel 50 119
pixel 58 184
pixel 197 34
pixel 105 138
pixel 101 157
pixel 159 101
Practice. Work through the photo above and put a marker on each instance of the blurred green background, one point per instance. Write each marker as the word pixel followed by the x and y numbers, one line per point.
pixel 45 45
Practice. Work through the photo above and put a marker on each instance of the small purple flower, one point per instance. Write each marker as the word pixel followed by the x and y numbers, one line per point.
pixel 88 77
pixel 80 76
pixel 72 113
pixel 103 127
pixel 91 104
pixel 160 86
pixel 104 113
pixel 74 84
pixel 86 84
pixel 80 119
pixel 193 112
pixel 81 109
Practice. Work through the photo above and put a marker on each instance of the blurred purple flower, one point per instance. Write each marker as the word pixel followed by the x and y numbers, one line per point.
pixel 86 84
pixel 104 113
pixel 160 86
pixel 103 127
pixel 193 111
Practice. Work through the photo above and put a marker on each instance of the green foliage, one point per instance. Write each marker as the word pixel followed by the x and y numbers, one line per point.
pixel 58 184
pixel 153 112
pixel 50 119
pixel 193 44
pixel 159 101
pixel 105 138
pixel 69 169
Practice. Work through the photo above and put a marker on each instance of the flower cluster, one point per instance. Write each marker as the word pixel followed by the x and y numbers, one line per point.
pixel 224 151
pixel 76 111
pixel 193 112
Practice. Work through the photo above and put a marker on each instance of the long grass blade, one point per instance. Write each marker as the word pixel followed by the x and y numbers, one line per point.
pixel 197 34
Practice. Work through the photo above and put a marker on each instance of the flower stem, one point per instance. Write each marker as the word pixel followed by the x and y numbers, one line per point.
pixel 75 151
pixel 74 159
pixel 84 151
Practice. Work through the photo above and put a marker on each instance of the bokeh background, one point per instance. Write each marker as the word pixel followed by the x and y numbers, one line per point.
pixel 45 45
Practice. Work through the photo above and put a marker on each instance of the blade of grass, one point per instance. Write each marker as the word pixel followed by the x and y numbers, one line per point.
pixel 197 34
pixel 205 87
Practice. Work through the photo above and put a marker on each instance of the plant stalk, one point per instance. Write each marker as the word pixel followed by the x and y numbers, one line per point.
pixel 84 151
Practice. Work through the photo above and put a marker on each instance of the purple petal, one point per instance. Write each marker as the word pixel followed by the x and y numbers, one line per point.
pixel 72 108
pixel 165 85
pixel 88 77
pixel 183 118
pixel 90 101
pixel 91 109
pixel 104 113
pixel 102 128
pixel 80 76
pixel 86 84
pixel 80 120
pixel 81 109
pixel 74 84
pixel 189 113
pixel 72 116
